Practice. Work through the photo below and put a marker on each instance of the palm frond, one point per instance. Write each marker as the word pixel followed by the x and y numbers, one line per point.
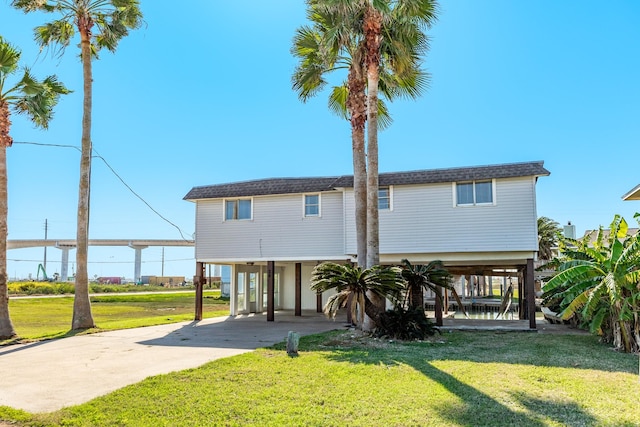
pixel 353 282
pixel 575 305
pixel 574 273
pixel 9 58
pixel 599 280
pixel 338 101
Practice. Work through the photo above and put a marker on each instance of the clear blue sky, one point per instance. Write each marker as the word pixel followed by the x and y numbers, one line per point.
pixel 202 95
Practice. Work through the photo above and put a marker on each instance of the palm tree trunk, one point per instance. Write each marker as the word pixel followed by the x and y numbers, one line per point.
pixel 416 297
pixel 6 327
pixel 82 317
pixel 373 312
pixel 357 107
pixel 372 29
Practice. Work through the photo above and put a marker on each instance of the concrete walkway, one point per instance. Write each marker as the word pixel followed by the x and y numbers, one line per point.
pixel 48 375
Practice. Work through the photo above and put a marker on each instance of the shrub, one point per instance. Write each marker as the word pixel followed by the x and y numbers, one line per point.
pixel 408 325
pixel 40 288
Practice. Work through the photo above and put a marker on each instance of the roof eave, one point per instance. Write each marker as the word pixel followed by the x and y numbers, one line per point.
pixel 633 194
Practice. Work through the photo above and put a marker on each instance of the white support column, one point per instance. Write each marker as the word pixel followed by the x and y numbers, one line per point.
pixel 233 292
pixel 260 291
pixel 64 260
pixel 138 261
pixel 64 264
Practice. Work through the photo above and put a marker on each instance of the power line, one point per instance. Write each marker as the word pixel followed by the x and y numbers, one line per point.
pixel 97 155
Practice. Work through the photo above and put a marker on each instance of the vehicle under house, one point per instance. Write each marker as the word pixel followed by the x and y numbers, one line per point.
pixel 272 232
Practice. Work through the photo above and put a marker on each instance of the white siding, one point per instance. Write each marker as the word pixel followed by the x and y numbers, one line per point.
pixel 277 231
pixel 308 297
pixel 425 220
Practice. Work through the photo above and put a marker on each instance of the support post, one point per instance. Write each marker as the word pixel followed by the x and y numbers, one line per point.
pixel 446 301
pixel 319 302
pixel 138 260
pixel 467 286
pixel 271 267
pixel 233 291
pixel 198 281
pixel 529 284
pixel 64 264
pixel 438 306
pixel 298 308
pixel 523 314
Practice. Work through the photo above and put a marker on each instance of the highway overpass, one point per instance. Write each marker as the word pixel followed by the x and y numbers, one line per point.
pixel 65 245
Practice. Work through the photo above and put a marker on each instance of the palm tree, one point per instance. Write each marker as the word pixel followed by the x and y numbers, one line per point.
pixel 392 32
pixel 36 99
pixel 548 232
pixel 397 57
pixel 336 42
pixel 432 276
pixel 600 281
pixel 331 45
pixel 100 24
pixel 355 282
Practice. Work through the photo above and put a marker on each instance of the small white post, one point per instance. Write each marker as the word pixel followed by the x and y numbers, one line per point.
pixel 293 339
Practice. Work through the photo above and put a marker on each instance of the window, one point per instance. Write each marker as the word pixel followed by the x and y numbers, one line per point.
pixel 276 290
pixel 384 198
pixel 484 193
pixel 237 209
pixel 465 193
pixel 311 205
pixel 474 193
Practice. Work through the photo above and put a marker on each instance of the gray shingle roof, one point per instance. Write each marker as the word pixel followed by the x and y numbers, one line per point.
pixel 268 186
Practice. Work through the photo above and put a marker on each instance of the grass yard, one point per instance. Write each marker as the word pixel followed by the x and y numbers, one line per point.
pixel 340 378
pixel 38 318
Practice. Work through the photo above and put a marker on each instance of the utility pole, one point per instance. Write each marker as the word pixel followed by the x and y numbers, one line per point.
pixel 162 274
pixel 46 226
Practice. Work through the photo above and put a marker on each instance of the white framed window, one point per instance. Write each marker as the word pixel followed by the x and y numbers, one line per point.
pixel 311 205
pixel 474 193
pixel 385 198
pixel 238 209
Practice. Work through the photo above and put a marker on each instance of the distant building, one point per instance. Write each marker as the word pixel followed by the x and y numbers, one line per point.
pixel 109 280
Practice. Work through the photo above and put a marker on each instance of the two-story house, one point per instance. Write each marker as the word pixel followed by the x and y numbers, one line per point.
pixel 273 232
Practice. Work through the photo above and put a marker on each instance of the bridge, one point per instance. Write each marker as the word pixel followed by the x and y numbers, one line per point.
pixel 65 245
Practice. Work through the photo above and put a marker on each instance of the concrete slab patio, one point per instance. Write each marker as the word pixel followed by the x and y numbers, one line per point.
pixel 48 375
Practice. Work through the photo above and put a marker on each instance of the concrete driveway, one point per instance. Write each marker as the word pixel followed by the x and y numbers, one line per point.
pixel 49 375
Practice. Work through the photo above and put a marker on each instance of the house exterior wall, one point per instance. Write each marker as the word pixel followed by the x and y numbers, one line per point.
pixel 424 219
pixel 285 291
pixel 278 230
pixel 308 296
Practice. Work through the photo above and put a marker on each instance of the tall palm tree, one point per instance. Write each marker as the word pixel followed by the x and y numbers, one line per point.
pixel 36 99
pixel 100 24
pixel 393 32
pixel 335 41
pixel 355 282
pixel 548 233
pixel 397 56
pixel 330 44
pixel 600 281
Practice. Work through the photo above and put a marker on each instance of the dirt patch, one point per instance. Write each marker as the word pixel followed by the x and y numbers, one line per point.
pixel 356 338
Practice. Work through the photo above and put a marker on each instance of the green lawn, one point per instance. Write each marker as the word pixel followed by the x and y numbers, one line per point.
pixel 459 379
pixel 37 318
